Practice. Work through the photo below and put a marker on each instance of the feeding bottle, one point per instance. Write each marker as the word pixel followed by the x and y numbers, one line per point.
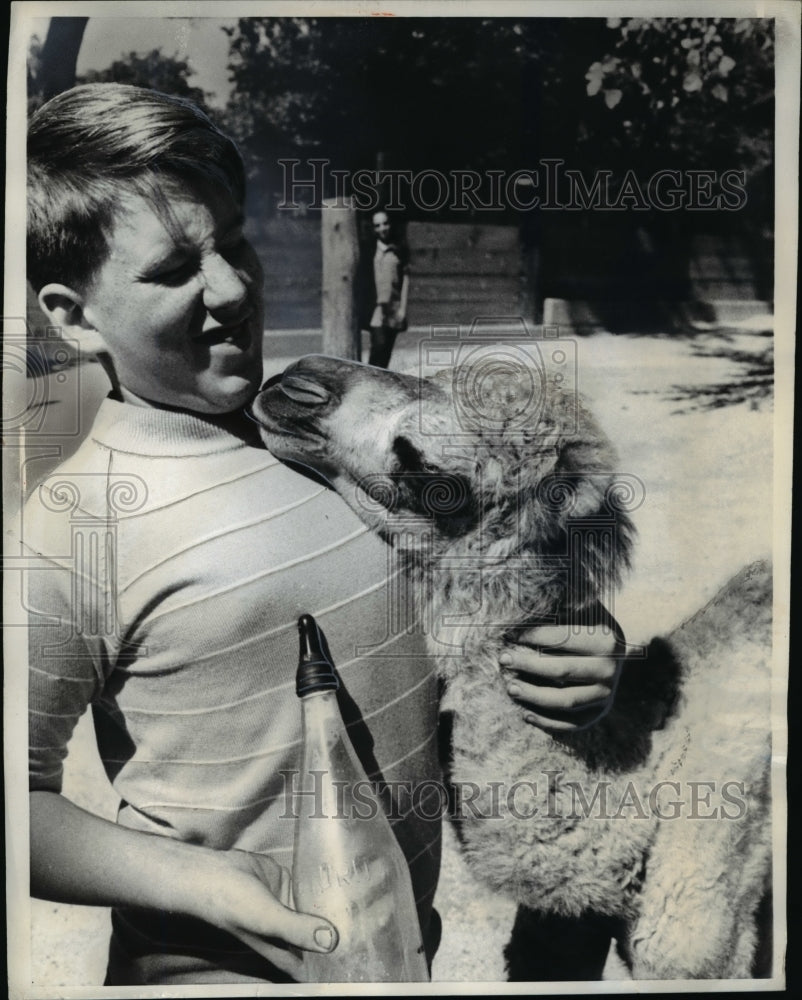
pixel 347 864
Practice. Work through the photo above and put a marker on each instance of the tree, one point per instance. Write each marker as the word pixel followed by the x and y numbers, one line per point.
pixel 695 90
pixel 51 64
pixel 636 95
pixel 502 93
pixel 428 93
pixel 153 70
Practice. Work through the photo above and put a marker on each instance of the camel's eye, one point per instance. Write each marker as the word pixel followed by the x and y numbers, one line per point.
pixel 409 457
pixel 445 497
pixel 423 488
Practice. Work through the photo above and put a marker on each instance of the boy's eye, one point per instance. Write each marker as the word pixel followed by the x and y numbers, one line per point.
pixel 177 273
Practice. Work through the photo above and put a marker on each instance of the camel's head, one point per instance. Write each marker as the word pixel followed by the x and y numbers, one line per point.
pixel 359 427
pixel 499 458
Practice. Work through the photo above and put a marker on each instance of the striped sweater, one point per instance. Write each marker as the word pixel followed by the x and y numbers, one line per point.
pixel 176 555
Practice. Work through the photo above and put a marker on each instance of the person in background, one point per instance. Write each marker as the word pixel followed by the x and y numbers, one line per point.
pixel 391 279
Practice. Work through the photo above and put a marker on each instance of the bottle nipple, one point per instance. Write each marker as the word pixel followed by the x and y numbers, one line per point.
pixel 315 669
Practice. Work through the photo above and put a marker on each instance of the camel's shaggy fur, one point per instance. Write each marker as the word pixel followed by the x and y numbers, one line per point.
pixel 508 512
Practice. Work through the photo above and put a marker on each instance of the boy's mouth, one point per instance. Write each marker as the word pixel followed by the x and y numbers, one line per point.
pixel 237 334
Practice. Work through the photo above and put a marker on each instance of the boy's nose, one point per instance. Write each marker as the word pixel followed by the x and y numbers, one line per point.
pixel 225 290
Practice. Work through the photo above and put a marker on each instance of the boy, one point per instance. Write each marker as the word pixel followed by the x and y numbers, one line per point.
pixel 180 555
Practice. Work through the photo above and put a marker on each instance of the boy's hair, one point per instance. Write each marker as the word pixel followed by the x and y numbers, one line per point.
pixel 91 145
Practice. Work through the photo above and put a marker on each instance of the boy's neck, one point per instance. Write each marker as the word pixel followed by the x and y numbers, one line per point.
pixel 235 423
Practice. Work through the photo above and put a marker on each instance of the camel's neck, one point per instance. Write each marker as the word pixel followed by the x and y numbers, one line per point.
pixel 492 592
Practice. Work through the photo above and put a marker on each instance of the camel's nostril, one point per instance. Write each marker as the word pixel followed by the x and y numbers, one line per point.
pixel 303 390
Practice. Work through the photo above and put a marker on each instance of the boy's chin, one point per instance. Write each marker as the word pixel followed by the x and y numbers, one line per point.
pixel 220 394
pixel 209 401
pixel 229 401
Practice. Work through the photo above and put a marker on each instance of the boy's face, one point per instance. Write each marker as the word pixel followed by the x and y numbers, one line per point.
pixel 178 304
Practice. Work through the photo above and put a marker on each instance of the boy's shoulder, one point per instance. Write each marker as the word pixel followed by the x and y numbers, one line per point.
pixel 96 482
pixel 74 488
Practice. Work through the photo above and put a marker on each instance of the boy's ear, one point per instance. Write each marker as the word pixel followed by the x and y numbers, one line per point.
pixel 64 307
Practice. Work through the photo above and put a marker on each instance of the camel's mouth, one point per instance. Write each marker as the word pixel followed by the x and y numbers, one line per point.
pixel 338 416
pixel 291 405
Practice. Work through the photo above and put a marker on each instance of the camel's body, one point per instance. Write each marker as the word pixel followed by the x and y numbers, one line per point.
pixel 503 521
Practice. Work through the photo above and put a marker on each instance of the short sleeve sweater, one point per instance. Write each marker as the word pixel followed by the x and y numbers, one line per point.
pixel 176 556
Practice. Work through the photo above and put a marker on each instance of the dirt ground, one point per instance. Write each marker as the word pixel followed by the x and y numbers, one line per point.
pixel 707 476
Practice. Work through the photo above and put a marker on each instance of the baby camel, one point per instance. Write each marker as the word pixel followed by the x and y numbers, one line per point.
pixel 500 497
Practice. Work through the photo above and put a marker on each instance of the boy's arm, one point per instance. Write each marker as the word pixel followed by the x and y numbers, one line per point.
pixel 77 857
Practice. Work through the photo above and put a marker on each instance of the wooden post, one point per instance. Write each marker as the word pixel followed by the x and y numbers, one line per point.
pixel 340 315
pixel 530 299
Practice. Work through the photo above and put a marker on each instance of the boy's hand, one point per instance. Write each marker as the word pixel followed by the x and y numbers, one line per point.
pixel 251 899
pixel 78 857
pixel 566 675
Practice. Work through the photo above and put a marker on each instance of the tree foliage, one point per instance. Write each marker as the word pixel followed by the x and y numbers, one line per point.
pixel 428 92
pixel 695 90
pixel 153 70
pixel 487 93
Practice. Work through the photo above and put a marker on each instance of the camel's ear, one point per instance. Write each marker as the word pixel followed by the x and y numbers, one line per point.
pixel 580 490
pixel 582 474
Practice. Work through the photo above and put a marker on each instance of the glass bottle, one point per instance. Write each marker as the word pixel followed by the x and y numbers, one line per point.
pixel 347 864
